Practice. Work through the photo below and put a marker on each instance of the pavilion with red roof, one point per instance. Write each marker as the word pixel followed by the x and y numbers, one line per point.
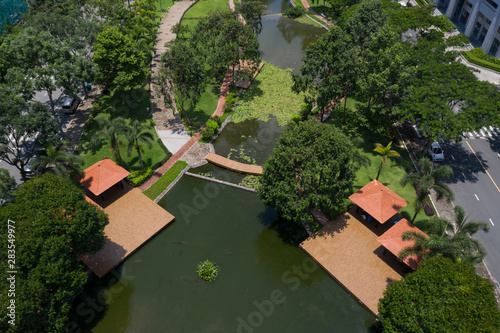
pixel 102 175
pixel 393 241
pixel 378 201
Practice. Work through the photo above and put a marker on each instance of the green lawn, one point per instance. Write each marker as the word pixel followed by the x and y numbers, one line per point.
pixel 201 9
pixel 161 184
pixel 304 19
pixel 322 7
pixel 112 106
pixel 269 94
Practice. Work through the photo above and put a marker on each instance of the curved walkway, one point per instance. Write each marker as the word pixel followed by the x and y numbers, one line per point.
pixel 310 10
pixel 233 165
pixel 169 126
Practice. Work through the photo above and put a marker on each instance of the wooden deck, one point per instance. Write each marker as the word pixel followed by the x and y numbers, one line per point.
pixel 233 165
pixel 348 249
pixel 133 220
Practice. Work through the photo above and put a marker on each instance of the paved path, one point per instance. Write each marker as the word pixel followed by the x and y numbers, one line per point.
pixel 310 10
pixel 169 124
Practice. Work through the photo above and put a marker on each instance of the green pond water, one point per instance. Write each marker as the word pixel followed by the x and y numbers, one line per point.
pixel 265 284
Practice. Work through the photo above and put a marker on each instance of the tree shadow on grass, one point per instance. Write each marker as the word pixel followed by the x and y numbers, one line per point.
pixel 253 92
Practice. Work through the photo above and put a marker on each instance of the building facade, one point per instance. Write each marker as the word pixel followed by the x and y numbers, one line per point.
pixel 479 18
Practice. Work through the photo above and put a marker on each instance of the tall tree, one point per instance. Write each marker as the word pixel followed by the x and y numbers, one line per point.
pixel 311 167
pixel 252 12
pixel 119 63
pixel 109 129
pixel 427 178
pixel 138 133
pixel 443 296
pixel 23 128
pixel 54 224
pixel 385 152
pixel 7 184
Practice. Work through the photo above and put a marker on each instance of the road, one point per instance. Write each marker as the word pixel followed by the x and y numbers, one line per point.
pixel 476 163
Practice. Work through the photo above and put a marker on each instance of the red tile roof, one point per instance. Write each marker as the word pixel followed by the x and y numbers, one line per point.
pixel 378 201
pixel 102 175
pixel 393 241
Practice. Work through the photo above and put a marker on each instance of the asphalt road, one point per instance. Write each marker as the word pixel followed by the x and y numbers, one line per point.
pixel 476 163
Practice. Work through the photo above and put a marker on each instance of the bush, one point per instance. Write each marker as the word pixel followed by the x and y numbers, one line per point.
pixel 454 41
pixel 218 120
pixel 161 184
pixel 295 118
pixel 213 124
pixel 138 177
pixel 464 38
pixel 490 63
pixel 295 12
pixel 207 270
pixel 207 134
pixel 230 99
pixel 444 23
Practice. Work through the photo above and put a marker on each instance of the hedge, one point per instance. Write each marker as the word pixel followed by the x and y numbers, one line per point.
pixel 138 177
pixel 161 184
pixel 484 63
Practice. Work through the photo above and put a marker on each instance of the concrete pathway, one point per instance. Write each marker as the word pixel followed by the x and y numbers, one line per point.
pixel 169 124
pixel 310 10
pixel 484 74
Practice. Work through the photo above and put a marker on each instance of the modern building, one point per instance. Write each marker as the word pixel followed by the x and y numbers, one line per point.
pixel 479 20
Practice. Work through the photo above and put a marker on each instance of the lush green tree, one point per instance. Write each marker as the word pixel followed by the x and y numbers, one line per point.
pixel 7 184
pixel 119 63
pixel 109 129
pixel 428 178
pixel 23 127
pixel 365 22
pixel 182 68
pixel 53 224
pixel 449 239
pixel 385 152
pixel 58 161
pixel 252 12
pixel 440 296
pixel 138 133
pixel 311 167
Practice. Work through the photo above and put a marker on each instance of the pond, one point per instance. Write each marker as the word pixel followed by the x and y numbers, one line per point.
pixel 265 284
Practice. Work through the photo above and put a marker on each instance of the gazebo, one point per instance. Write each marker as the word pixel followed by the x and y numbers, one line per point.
pixel 102 175
pixel 378 201
pixel 393 241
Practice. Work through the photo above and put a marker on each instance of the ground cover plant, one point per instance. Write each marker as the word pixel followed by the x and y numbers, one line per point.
pixel 207 271
pixel 161 184
pixel 269 94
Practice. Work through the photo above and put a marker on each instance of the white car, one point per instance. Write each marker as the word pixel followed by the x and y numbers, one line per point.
pixel 436 152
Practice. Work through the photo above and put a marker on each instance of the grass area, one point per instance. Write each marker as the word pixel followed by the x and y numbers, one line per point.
pixel 299 4
pixel 131 105
pixel 199 10
pixel 161 7
pixel 269 94
pixel 195 116
pixel 307 19
pixel 161 184
pixel 476 56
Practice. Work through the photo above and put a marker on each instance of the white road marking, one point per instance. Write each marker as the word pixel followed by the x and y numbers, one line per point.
pixel 454 157
pixel 476 196
pixel 491 222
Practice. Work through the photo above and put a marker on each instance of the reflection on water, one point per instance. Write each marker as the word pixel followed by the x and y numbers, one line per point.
pixel 283 41
pixel 276 6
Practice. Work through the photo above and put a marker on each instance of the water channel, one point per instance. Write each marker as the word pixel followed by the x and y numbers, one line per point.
pixel 266 284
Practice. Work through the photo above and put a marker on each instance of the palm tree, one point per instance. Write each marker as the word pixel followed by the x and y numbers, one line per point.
pixel 385 152
pixel 426 179
pixel 109 129
pixel 452 240
pixel 58 161
pixel 138 132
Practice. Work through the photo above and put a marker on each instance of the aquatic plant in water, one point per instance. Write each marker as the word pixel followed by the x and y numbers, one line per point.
pixel 207 270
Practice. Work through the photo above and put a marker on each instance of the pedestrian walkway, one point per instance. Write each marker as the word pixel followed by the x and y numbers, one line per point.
pixel 169 124
pixel 310 10
pixel 233 165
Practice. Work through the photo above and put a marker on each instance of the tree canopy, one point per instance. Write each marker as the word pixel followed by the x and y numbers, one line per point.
pixel 311 167
pixel 441 296
pixel 53 224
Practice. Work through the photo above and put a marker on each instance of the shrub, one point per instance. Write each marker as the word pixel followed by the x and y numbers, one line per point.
pixel 490 63
pixel 207 134
pixel 138 177
pixel 444 23
pixel 464 38
pixel 213 124
pixel 295 118
pixel 207 270
pixel 230 99
pixel 161 184
pixel 295 12
pixel 218 120
pixel 454 41
pixel 251 181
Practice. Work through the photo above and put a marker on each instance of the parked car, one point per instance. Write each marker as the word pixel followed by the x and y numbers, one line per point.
pixel 70 105
pixel 436 152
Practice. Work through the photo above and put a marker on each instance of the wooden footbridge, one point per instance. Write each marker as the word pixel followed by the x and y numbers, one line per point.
pixel 233 165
